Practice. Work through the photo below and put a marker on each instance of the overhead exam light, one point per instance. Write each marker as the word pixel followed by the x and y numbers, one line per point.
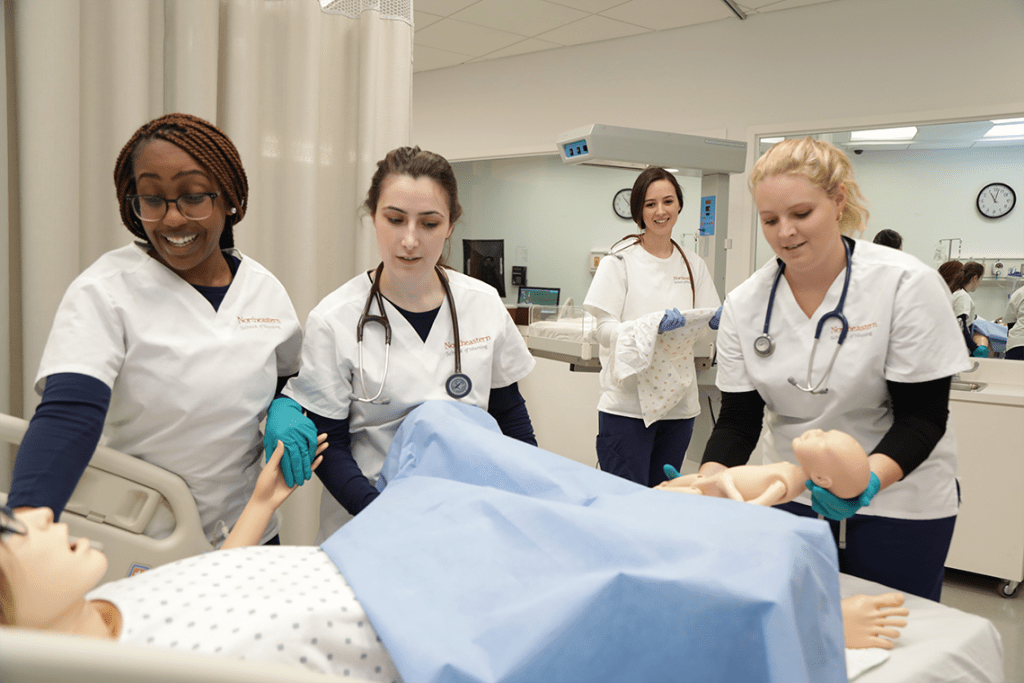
pixel 635 148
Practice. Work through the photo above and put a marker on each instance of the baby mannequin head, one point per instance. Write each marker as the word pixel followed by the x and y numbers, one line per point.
pixel 833 460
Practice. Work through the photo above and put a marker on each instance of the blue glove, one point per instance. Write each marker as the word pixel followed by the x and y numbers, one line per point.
pixel 825 503
pixel 715 319
pixel 981 351
pixel 671 472
pixel 286 423
pixel 673 319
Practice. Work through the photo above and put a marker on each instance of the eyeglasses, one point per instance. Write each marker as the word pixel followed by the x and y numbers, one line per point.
pixel 151 208
pixel 9 524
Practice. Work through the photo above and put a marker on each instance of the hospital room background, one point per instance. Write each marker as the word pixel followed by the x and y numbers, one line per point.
pixel 823 68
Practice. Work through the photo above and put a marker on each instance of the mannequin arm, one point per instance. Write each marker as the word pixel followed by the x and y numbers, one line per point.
pixel 270 492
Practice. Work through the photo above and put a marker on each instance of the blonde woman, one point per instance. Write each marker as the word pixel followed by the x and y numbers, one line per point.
pixel 843 334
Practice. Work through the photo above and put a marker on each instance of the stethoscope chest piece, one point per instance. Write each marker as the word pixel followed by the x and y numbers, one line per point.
pixel 764 345
pixel 458 385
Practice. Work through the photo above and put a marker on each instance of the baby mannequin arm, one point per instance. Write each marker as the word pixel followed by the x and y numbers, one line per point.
pixel 270 492
pixel 867 618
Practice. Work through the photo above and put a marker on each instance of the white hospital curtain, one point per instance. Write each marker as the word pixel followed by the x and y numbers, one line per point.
pixel 311 95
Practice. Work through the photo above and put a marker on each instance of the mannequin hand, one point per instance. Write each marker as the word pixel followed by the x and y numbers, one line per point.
pixel 981 351
pixel 271 488
pixel 286 423
pixel 673 319
pixel 824 502
pixel 716 319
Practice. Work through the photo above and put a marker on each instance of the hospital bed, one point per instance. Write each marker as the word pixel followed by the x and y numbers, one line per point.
pixel 117 497
pixel 939 645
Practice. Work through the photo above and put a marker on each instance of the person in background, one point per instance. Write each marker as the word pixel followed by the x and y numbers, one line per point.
pixel 173 346
pixel 451 336
pixel 1012 319
pixel 962 279
pixel 643 274
pixel 784 364
pixel 889 238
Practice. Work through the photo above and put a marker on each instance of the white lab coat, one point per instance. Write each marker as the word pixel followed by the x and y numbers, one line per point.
pixel 494 355
pixel 900 329
pixel 631 283
pixel 189 385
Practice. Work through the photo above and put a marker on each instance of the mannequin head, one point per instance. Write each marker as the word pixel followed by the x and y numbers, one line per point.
pixel 833 460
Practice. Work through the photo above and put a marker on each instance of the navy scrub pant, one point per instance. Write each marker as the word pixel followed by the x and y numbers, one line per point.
pixel 908 555
pixel 628 449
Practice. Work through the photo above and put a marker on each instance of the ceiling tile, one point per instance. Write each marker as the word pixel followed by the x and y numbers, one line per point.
pixel 427 58
pixel 423 20
pixel 589 5
pixel 471 40
pixel 590 30
pixel 665 14
pixel 521 48
pixel 444 8
pixel 525 17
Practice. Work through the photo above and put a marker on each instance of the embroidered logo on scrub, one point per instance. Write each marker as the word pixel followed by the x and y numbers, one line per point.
pixel 867 330
pixel 258 322
pixel 468 345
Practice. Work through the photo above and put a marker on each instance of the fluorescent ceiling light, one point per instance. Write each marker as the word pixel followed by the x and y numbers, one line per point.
pixel 905 133
pixel 1005 131
pixel 672 170
pixel 1016 120
pixel 771 141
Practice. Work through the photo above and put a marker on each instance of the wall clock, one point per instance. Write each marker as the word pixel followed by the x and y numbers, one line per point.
pixel 621 203
pixel 996 200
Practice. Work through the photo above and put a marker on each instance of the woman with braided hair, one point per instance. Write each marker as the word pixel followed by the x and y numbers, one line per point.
pixel 171 347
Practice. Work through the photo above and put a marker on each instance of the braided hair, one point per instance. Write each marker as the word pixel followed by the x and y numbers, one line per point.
pixel 205 143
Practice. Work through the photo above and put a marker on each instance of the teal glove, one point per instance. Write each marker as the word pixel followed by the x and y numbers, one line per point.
pixel 673 319
pixel 286 423
pixel 670 472
pixel 825 503
pixel 981 351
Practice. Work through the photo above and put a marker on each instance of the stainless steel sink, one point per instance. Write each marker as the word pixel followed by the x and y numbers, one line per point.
pixel 967 386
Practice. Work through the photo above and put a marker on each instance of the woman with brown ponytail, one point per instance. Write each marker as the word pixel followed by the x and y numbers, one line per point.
pixel 172 346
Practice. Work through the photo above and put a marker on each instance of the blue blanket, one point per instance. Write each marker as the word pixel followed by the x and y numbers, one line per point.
pixel 487 560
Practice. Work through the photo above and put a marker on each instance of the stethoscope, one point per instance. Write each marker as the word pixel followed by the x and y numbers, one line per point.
pixel 457 385
pixel 764 345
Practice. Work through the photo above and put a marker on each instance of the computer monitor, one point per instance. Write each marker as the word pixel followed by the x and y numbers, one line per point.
pixel 541 296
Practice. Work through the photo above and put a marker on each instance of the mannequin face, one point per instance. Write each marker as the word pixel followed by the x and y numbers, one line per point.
pixel 833 460
pixel 49 575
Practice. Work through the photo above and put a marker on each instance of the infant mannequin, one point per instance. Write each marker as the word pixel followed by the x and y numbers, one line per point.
pixel 832 460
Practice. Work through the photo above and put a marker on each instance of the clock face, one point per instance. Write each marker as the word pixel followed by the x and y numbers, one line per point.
pixel 621 203
pixel 996 200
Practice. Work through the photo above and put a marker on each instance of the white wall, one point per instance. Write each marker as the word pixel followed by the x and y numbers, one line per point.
pixel 556 212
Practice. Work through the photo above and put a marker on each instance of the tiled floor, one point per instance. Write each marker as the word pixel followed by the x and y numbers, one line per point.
pixel 977 594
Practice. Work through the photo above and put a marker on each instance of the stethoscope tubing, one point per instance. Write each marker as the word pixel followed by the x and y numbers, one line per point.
pixel 764 345
pixel 382 320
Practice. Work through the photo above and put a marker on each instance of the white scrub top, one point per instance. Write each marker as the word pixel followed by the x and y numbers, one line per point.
pixel 631 282
pixel 900 330
pixel 963 304
pixel 1015 314
pixel 494 355
pixel 189 385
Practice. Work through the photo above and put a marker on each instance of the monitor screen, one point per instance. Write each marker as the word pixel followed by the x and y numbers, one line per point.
pixel 541 296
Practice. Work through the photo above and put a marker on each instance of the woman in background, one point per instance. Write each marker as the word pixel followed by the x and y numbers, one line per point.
pixel 646 273
pixel 1012 319
pixel 889 238
pixel 962 279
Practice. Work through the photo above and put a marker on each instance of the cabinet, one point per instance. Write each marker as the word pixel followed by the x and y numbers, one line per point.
pixel 989 425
